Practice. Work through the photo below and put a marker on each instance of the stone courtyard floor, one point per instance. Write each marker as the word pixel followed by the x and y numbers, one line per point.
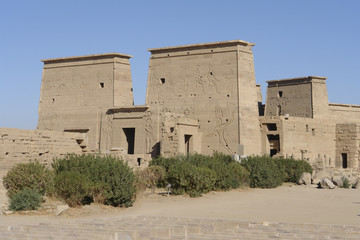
pixel 287 212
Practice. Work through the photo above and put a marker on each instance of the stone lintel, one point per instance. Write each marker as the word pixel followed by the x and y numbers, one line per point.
pixel 86 57
pixel 294 81
pixel 138 108
pixel 201 46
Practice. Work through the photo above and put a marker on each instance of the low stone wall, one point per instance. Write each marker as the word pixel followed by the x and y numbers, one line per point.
pixel 20 146
pixel 133 160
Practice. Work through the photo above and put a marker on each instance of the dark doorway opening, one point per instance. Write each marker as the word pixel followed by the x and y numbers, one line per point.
pixel 273 152
pixel 344 160
pixel 274 144
pixel 187 143
pixel 130 138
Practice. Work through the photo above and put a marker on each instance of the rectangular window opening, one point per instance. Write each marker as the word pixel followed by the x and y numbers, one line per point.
pixel 162 80
pixel 280 93
pixel 101 85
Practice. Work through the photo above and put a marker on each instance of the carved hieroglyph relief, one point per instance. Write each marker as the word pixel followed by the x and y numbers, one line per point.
pixel 149 137
pixel 219 130
pixel 199 80
pixel 107 128
pixel 213 81
pixel 210 81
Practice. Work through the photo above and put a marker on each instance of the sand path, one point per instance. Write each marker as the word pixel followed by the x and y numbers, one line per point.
pixel 295 204
pixel 291 204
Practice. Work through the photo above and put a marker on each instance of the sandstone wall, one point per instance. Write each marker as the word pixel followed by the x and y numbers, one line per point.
pixel 213 83
pixel 299 97
pixel 347 145
pixel 294 100
pixel 302 138
pixel 344 113
pixel 310 140
pixel 76 93
pixel 180 135
pixel 20 146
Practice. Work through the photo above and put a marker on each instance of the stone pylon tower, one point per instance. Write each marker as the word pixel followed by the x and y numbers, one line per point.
pixel 213 84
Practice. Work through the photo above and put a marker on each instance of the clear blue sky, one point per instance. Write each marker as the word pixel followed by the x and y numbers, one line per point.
pixel 293 39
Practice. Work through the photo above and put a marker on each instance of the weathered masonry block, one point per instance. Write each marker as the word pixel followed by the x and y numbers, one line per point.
pixel 20 146
pixel 347 146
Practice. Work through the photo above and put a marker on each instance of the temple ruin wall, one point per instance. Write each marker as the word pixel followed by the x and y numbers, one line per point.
pixel 20 146
pixel 344 113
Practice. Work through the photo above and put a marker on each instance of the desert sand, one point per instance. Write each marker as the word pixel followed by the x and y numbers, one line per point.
pixel 288 203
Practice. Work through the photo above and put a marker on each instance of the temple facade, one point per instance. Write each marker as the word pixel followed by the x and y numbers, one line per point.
pixel 200 98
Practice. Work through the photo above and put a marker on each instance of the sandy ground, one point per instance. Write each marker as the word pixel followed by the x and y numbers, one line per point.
pixel 289 203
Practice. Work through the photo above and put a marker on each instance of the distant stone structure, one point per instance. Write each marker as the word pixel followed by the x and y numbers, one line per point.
pixel 300 123
pixel 200 98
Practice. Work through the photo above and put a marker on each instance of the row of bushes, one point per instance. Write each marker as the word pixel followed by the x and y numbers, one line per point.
pixel 197 174
pixel 76 179
pixel 267 172
pixel 81 179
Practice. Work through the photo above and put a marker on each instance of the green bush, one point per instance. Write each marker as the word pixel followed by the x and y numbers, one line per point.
pixel 72 187
pixel 346 182
pixel 229 174
pixel 293 169
pixel 25 199
pixel 239 176
pixel 166 163
pixel 188 178
pixel 32 175
pixel 264 171
pixel 149 177
pixel 109 178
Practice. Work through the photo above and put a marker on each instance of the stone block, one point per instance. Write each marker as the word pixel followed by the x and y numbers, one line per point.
pixel 326 183
pixel 305 179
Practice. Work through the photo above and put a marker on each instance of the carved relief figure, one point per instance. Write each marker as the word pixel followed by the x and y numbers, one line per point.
pixel 219 129
pixel 199 81
pixel 107 132
pixel 149 132
pixel 212 80
pixel 230 79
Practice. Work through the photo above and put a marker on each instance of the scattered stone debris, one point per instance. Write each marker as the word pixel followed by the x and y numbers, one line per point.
pixel 326 183
pixel 305 179
pixel 338 181
pixel 60 209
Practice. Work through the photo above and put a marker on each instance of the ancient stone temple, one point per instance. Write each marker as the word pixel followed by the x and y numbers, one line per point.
pixel 200 98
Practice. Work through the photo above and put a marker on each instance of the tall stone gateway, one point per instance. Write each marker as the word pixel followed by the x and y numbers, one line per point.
pixel 207 93
pixel 77 92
